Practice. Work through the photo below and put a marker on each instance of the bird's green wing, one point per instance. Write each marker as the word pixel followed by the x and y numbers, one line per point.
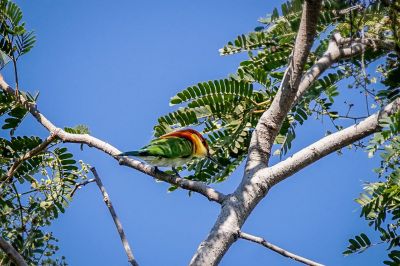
pixel 171 147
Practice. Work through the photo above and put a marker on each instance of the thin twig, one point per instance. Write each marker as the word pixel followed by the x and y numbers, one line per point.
pixel 364 72
pixel 21 209
pixel 354 118
pixel 366 102
pixel 12 253
pixel 118 224
pixel 79 185
pixel 277 249
pixel 44 250
pixel 348 110
pixel 15 74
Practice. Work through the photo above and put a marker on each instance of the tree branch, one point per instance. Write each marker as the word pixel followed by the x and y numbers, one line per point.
pixel 331 56
pixel 196 186
pixel 277 249
pixel 79 185
pixel 12 253
pixel 29 155
pixel 118 224
pixel 348 10
pixel 369 42
pixel 338 48
pixel 327 145
pixel 271 121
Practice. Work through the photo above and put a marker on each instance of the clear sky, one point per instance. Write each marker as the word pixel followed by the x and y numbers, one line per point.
pixel 113 65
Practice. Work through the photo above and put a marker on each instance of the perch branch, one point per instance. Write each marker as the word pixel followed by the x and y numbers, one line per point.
pixel 195 186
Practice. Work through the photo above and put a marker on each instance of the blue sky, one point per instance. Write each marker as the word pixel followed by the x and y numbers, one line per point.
pixel 113 66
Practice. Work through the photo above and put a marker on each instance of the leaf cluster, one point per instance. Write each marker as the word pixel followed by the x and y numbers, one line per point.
pixel 15 39
pixel 36 194
pixel 39 190
pixel 380 201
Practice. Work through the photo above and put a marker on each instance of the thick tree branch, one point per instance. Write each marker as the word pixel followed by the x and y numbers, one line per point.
pixel 348 10
pixel 331 56
pixel 277 249
pixel 271 121
pixel 327 145
pixel 238 206
pixel 338 48
pixel 368 42
pixel 195 186
pixel 117 222
pixel 12 253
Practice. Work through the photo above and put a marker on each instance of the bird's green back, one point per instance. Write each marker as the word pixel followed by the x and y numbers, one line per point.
pixel 171 147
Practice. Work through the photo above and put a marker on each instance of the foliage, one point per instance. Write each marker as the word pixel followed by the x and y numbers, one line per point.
pixel 380 201
pixel 39 190
pixel 227 110
pixel 37 193
pixel 15 40
pixel 14 112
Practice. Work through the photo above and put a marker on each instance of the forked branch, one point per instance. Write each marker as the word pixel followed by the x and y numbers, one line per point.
pixel 338 48
pixel 80 185
pixel 327 145
pixel 253 188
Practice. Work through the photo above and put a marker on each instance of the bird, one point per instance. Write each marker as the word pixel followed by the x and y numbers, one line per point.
pixel 173 149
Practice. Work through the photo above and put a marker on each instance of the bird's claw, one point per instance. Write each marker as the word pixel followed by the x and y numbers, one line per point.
pixel 176 172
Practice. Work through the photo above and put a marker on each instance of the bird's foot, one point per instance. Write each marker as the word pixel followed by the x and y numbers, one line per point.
pixel 176 172
pixel 156 169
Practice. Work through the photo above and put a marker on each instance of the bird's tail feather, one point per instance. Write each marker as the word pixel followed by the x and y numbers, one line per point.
pixel 130 153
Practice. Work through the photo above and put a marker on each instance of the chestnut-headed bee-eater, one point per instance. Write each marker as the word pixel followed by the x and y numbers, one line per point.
pixel 173 149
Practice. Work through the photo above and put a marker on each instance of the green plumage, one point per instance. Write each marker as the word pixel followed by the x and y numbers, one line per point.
pixel 171 151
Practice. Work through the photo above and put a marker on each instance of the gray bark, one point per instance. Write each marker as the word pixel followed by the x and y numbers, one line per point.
pixel 117 222
pixel 278 250
pixel 12 253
